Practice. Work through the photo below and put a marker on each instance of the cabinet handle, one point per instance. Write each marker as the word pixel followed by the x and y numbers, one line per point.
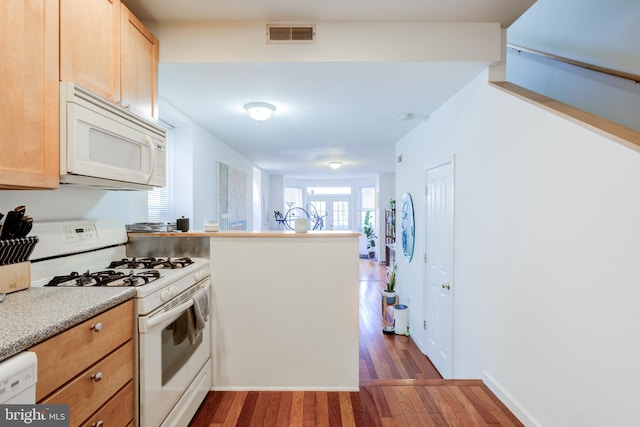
pixel 98 424
pixel 446 286
pixel 97 327
pixel 96 377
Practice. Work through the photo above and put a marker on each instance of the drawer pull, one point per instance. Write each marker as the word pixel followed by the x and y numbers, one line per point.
pixel 98 424
pixel 96 377
pixel 97 327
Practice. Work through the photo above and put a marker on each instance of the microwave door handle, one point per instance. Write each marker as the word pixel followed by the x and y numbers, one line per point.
pixel 164 319
pixel 152 167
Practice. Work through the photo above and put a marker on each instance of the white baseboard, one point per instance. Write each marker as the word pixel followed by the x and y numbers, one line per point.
pixel 510 402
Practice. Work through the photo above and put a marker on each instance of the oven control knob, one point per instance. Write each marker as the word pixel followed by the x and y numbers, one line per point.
pixel 200 274
pixel 165 295
pixel 173 290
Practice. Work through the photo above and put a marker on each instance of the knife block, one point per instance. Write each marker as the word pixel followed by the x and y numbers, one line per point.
pixel 14 251
pixel 15 277
pixel 15 267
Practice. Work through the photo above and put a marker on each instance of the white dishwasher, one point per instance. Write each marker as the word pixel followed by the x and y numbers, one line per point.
pixel 18 376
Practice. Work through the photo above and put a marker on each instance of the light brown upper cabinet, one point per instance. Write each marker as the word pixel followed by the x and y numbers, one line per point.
pixel 29 120
pixel 139 66
pixel 106 49
pixel 90 45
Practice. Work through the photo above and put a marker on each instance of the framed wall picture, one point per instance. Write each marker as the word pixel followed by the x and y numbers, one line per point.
pixel 407 228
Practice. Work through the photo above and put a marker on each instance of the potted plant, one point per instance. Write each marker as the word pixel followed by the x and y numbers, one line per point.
pixel 369 234
pixel 390 291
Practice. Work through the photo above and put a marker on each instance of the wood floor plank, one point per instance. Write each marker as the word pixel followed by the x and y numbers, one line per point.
pixel 333 408
pixel 224 406
pixel 271 412
pixel 465 411
pixel 247 408
pixel 297 409
pixel 309 411
pixel 284 410
pixel 235 409
pixel 210 407
pixel 322 409
pixel 485 400
pixel 369 408
pixel 395 406
pixel 347 417
pixel 260 409
pixel 399 386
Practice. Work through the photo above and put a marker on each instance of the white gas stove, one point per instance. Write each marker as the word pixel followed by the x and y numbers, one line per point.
pixel 173 351
pixel 93 253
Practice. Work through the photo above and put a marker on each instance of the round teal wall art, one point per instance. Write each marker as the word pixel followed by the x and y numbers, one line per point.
pixel 407 227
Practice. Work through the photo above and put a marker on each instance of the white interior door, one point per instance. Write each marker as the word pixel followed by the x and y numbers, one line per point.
pixel 439 265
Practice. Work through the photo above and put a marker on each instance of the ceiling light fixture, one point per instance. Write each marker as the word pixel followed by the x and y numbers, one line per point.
pixel 335 165
pixel 260 111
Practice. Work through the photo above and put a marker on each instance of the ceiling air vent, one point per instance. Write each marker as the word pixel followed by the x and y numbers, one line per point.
pixel 291 33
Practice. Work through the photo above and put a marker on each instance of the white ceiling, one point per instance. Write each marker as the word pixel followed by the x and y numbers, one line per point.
pixel 346 111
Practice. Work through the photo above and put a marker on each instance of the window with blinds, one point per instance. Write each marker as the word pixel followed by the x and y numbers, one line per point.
pixel 160 200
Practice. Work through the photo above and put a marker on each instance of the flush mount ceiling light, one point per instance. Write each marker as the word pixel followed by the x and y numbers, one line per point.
pixel 335 165
pixel 260 111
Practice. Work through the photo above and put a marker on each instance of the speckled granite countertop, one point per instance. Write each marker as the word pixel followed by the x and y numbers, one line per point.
pixel 32 315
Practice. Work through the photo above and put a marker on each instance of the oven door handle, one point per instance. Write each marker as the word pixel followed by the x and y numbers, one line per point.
pixel 164 319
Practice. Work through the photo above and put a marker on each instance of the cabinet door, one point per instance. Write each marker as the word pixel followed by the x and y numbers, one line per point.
pixel 29 120
pixel 139 66
pixel 90 45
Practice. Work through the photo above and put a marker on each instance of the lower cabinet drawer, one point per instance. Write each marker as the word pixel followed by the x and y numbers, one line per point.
pixel 118 411
pixel 93 387
pixel 65 355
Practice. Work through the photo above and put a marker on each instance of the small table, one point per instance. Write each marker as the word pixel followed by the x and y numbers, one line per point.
pixel 395 300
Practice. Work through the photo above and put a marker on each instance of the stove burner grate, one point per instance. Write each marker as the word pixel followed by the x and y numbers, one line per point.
pixel 141 278
pixel 132 263
pixel 157 263
pixel 105 278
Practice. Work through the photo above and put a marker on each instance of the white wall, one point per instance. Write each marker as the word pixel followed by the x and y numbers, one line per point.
pixel 218 42
pixel 288 322
pixel 546 250
pixel 73 202
pixel 603 33
pixel 197 153
pixel 276 199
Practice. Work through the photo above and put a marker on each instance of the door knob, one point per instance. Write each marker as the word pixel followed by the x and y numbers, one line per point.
pixel 446 286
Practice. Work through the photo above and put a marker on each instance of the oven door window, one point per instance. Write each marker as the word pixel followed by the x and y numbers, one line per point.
pixel 177 348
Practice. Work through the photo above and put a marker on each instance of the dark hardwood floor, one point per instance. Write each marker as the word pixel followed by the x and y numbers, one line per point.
pixel 398 387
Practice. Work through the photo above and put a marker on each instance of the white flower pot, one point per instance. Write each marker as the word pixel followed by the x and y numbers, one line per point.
pixel 390 296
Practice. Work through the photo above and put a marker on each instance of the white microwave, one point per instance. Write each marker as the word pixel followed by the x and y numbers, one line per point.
pixel 103 145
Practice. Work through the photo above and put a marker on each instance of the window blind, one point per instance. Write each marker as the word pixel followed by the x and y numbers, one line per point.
pixel 160 200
